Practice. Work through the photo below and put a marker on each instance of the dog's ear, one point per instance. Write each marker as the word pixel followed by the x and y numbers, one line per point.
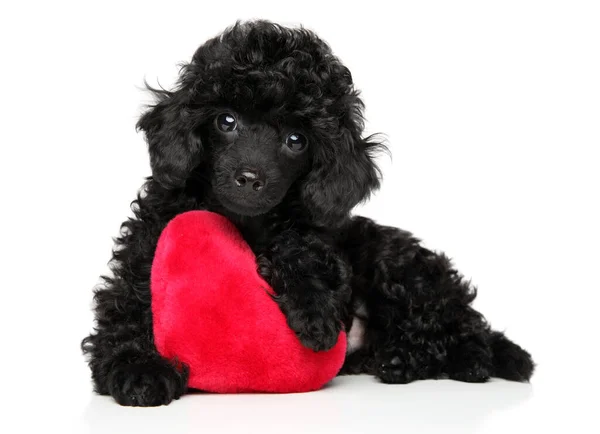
pixel 343 173
pixel 173 144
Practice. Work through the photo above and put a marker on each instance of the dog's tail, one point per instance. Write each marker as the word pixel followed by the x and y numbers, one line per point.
pixel 510 361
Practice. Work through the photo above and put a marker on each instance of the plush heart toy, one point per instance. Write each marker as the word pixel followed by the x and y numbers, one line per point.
pixel 212 311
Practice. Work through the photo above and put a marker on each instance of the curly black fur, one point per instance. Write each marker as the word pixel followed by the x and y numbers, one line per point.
pixel 293 207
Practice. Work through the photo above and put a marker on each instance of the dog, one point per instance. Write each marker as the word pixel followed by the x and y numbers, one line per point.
pixel 266 128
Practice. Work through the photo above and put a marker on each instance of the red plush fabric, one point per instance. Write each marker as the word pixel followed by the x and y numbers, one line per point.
pixel 212 311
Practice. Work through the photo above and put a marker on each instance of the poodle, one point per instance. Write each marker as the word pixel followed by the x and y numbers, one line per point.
pixel 265 127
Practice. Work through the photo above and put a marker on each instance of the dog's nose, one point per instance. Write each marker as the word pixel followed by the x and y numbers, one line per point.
pixel 249 178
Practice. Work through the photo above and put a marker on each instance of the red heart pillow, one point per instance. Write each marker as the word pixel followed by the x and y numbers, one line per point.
pixel 212 311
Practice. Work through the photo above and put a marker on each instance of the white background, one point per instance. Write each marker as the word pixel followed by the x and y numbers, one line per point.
pixel 492 113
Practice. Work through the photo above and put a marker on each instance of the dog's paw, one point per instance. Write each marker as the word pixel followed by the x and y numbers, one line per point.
pixel 470 370
pixel 470 362
pixel 392 369
pixel 474 374
pixel 147 384
pixel 318 334
pixel 316 327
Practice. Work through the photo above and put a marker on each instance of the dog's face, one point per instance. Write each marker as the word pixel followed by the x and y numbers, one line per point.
pixel 260 109
pixel 254 163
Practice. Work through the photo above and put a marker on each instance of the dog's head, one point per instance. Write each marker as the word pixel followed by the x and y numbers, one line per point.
pixel 264 108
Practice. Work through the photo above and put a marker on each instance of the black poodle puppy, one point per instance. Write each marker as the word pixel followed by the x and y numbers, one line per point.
pixel 265 127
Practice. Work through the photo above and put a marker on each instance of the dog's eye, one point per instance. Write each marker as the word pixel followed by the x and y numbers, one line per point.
pixel 296 142
pixel 226 122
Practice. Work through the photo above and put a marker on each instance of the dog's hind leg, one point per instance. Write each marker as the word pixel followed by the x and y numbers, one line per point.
pixel 420 320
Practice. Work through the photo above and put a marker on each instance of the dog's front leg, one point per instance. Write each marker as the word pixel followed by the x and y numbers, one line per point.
pixel 311 284
pixel 122 355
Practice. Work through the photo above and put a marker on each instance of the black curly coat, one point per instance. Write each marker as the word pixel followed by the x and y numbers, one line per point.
pixel 265 127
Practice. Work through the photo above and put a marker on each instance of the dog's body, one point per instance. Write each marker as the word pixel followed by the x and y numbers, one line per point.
pixel 266 129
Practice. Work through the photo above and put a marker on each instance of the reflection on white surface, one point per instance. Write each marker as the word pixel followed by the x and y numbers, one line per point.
pixel 347 405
